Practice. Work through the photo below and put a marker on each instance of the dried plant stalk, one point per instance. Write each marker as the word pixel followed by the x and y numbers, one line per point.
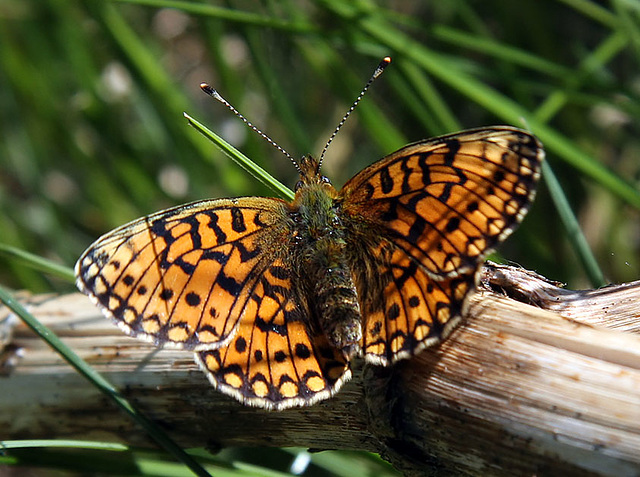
pixel 539 380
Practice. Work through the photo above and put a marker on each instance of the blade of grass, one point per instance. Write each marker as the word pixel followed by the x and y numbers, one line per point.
pixel 602 54
pixel 153 75
pixel 243 161
pixel 38 263
pixel 593 10
pixel 229 14
pixel 575 235
pixel 62 443
pixel 430 96
pixel 346 464
pixel 346 83
pixel 274 86
pixel 499 50
pixel 113 459
pixel 628 21
pixel 154 431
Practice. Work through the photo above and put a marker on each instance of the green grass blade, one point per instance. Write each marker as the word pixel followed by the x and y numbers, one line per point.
pixel 574 233
pixel 38 263
pixel 229 14
pixel 62 443
pixel 593 10
pixel 438 111
pixel 170 101
pixel 243 161
pixel 600 56
pixel 84 457
pixel 501 51
pixel 285 110
pixel 154 431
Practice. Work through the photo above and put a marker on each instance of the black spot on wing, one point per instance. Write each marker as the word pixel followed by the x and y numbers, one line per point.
pixel 237 220
pixel 393 312
pixel 221 237
pixel 241 345
pixel 192 299
pixel 453 224
pixel 166 294
pixel 302 351
pixel 386 182
pixel 453 146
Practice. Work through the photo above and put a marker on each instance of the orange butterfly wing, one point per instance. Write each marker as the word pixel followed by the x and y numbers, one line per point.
pixel 183 277
pixel 412 311
pixel 437 207
pixel 449 201
pixel 212 276
pixel 276 360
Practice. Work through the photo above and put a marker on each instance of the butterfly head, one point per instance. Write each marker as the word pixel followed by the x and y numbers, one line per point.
pixel 310 175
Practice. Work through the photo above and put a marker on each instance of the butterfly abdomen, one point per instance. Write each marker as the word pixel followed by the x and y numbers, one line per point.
pixel 337 302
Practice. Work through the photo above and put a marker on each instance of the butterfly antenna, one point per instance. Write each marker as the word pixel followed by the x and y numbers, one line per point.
pixel 214 94
pixel 378 71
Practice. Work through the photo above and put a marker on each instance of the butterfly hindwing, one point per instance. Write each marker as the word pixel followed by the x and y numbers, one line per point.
pixel 413 312
pixel 276 359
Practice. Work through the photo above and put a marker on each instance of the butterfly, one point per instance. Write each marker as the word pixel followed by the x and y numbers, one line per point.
pixel 276 299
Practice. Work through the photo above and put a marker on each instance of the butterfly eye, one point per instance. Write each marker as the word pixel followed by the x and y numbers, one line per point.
pixel 298 186
pixel 295 216
pixel 325 180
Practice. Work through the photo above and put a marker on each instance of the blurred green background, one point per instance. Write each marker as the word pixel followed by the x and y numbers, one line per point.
pixel 92 95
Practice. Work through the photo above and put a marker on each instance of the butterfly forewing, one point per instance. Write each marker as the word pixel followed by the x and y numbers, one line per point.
pixel 449 201
pixel 183 277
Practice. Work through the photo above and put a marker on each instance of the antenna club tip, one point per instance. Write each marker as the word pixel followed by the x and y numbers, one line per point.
pixel 386 61
pixel 207 89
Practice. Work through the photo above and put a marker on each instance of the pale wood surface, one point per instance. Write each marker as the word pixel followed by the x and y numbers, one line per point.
pixel 516 390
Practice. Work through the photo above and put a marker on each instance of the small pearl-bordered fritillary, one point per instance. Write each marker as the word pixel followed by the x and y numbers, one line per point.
pixel 277 298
